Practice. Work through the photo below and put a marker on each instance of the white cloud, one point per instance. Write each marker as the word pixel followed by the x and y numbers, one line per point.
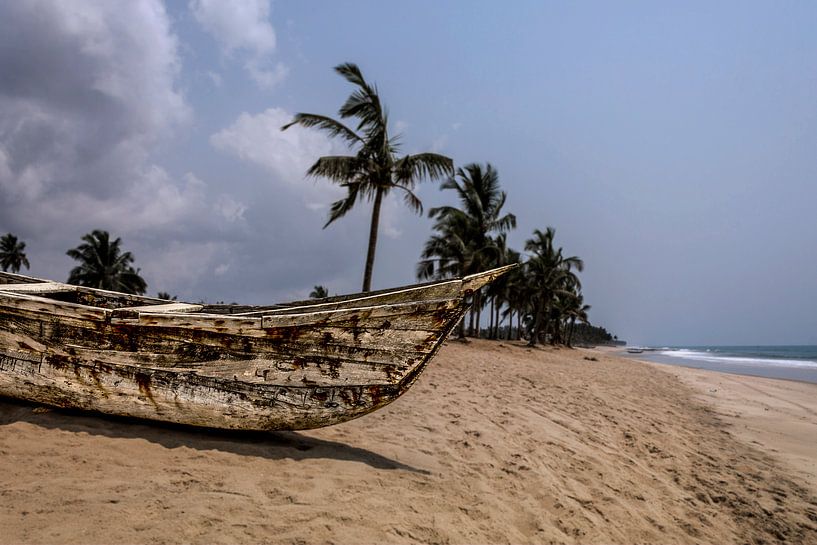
pixel 242 28
pixel 230 209
pixel 94 92
pixel 215 77
pixel 258 139
pixel 267 79
pixel 237 24
pixel 81 114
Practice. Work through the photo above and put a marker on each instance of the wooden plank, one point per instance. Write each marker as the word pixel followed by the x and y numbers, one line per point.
pixel 161 308
pixel 38 287
pixel 12 278
pixel 474 282
pixel 440 290
pixel 45 306
pixel 425 311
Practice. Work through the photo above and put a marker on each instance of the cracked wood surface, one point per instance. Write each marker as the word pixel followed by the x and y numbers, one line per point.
pixel 295 366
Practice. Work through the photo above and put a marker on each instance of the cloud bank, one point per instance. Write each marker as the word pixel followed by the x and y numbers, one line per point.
pixel 89 91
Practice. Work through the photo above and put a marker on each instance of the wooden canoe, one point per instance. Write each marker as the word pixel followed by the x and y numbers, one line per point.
pixel 298 366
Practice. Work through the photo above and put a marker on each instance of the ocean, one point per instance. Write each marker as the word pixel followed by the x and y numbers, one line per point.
pixel 785 362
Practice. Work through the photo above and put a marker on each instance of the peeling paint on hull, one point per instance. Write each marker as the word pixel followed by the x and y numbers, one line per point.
pixel 301 366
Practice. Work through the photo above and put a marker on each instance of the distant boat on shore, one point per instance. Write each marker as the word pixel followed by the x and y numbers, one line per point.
pixel 635 350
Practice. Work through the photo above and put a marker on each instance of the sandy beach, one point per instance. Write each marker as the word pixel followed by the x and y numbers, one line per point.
pixel 497 443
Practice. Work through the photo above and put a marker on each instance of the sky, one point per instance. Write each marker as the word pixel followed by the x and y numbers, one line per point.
pixel 672 146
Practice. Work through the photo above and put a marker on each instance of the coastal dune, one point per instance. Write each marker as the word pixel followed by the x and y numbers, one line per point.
pixel 495 443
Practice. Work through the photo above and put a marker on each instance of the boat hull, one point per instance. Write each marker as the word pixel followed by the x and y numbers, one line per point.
pixel 286 369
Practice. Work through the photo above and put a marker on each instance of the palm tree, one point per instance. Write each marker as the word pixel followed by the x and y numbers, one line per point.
pixel 12 253
pixel 375 168
pixel 103 265
pixel 500 289
pixel 463 243
pixel 517 296
pixel 319 292
pixel 166 296
pixel 550 276
pixel 577 312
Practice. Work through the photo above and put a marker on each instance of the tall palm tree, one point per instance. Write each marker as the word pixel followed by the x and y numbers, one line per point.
pixel 463 242
pixel 319 292
pixel 551 276
pixel 103 265
pixel 12 253
pixel 375 168
pixel 499 289
pixel 517 297
pixel 577 312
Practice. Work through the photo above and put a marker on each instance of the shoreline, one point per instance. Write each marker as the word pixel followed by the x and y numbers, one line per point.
pixel 758 371
pixel 742 400
pixel 776 414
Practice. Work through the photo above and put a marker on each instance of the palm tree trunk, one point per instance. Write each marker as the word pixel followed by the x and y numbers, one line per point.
pixel 518 325
pixel 547 327
pixel 478 298
pixel 367 275
pixel 537 320
pixel 491 320
pixel 570 332
pixel 496 322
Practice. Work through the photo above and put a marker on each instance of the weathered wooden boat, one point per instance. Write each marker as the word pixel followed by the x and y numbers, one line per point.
pixel 297 366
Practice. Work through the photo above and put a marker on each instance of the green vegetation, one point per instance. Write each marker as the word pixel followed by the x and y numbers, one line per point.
pixel 589 335
pixel 551 284
pixel 12 253
pixel 319 292
pixel 464 243
pixel 543 295
pixel 375 168
pixel 103 265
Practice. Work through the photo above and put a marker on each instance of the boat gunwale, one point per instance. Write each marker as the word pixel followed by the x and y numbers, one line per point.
pixel 477 280
pixel 106 314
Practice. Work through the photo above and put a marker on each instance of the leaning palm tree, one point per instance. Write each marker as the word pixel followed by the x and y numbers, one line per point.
pixel 12 253
pixel 103 265
pixel 375 168
pixel 319 292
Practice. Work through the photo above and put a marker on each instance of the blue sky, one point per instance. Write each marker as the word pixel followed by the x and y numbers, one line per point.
pixel 672 146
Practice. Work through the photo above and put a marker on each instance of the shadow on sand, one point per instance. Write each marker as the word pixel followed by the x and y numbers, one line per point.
pixel 276 445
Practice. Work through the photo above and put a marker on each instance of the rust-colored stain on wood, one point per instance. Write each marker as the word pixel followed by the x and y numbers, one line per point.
pixel 297 366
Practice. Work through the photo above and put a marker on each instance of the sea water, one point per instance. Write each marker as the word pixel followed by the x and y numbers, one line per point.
pixel 786 362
